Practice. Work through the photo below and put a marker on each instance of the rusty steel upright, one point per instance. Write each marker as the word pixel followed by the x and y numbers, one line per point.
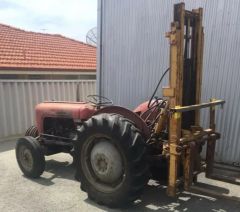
pixel 184 93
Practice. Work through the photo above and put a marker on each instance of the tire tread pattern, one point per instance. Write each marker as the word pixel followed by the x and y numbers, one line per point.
pixel 32 131
pixel 133 146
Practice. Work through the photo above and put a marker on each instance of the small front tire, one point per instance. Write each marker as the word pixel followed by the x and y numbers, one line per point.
pixel 30 157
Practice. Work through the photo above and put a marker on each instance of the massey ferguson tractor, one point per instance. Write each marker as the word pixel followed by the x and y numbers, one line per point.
pixel 116 150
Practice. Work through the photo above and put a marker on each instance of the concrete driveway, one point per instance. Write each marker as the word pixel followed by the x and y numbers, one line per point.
pixel 57 190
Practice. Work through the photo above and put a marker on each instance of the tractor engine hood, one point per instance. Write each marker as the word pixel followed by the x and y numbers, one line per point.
pixel 73 110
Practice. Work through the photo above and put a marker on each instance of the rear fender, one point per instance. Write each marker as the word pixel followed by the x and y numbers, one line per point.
pixel 140 124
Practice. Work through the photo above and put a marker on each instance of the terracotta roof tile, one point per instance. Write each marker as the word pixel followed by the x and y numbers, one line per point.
pixel 25 49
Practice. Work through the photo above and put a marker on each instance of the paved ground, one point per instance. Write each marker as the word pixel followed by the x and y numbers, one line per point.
pixel 57 190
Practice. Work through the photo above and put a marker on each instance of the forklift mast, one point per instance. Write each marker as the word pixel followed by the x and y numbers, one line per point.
pixel 186 39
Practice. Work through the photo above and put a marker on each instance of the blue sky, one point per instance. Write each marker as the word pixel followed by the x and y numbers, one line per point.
pixel 72 18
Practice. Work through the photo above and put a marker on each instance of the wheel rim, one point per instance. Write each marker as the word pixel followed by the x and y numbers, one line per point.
pixel 106 161
pixel 26 158
pixel 103 164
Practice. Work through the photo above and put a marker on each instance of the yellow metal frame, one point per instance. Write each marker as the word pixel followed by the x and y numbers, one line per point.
pixel 183 143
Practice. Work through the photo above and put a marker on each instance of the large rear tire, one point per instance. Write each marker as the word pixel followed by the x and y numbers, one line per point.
pixel 30 157
pixel 111 165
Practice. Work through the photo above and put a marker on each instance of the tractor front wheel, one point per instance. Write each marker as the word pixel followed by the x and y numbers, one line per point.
pixel 30 157
pixel 111 163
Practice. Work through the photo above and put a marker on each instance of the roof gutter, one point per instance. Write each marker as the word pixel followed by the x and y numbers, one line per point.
pixel 45 72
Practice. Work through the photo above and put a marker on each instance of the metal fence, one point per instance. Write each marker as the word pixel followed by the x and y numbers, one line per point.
pixel 19 97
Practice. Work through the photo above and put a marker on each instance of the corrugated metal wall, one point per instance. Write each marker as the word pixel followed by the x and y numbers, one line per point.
pixel 135 54
pixel 19 97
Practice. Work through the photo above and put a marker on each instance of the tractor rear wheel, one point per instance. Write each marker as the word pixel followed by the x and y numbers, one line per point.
pixel 30 157
pixel 111 165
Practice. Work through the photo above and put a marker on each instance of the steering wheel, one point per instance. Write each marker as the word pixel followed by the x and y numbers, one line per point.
pixel 99 100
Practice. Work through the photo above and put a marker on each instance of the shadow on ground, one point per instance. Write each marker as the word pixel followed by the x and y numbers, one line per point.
pixel 154 197
pixel 56 169
pixel 7 145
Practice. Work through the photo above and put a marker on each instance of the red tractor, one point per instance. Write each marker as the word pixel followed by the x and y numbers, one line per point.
pixel 116 150
pixel 107 142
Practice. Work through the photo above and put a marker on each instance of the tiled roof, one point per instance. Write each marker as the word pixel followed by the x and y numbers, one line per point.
pixel 21 49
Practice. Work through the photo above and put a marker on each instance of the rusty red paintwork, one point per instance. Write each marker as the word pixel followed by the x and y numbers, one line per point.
pixel 141 125
pixel 74 110
pixel 141 108
pixel 83 111
pixel 150 114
